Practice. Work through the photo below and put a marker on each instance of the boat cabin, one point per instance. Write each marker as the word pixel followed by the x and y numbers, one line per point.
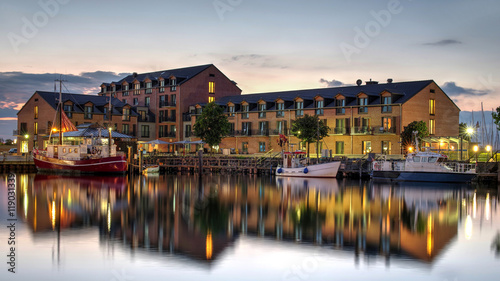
pixel 87 149
pixel 294 159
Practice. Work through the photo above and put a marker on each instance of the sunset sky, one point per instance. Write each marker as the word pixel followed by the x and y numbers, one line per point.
pixel 262 45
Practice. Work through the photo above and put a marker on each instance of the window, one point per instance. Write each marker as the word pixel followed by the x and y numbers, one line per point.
pixel 23 128
pixel 281 127
pixel 147 101
pixel 211 87
pixel 113 88
pixel 432 126
pixel 340 103
pixel 35 128
pixel 246 128
pixel 187 131
pixel 432 106
pixel 136 101
pixel 162 101
pixel 161 131
pixel 105 111
pixel 173 131
pixel 263 128
pixel 433 91
pixel 262 110
pixel 149 85
pixel 162 86
pixel 232 129
pixel 386 147
pixel 339 147
pixel 362 126
pixel 231 110
pixel 340 127
pixel 363 102
pixel 126 114
pixel 319 107
pixel 36 112
pixel 172 115
pixel 125 90
pixel 68 110
pixel 144 131
pixel 299 106
pixel 366 146
pixel 386 101
pixel 137 86
pixel 161 117
pixel 281 109
pixel 244 147
pixel 211 99
pixel 88 112
pixel 244 110
pixel 125 129
pixel 387 124
pixel 173 85
pixel 262 147
pixel 103 89
pixel 173 100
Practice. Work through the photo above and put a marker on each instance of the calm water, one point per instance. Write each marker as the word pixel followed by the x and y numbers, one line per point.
pixel 248 228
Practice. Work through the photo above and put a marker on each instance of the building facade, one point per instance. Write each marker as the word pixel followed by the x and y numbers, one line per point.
pixel 162 98
pixel 362 119
pixel 37 118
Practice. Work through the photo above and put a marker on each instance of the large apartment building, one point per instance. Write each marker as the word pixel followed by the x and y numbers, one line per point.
pixel 161 98
pixel 37 118
pixel 363 118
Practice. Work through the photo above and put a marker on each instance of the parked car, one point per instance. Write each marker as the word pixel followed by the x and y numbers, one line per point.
pixel 13 150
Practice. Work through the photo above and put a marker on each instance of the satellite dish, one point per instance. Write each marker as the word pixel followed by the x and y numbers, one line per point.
pixel 359 82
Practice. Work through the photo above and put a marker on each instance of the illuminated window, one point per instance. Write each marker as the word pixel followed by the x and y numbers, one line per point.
pixel 211 87
pixel 366 147
pixel 211 98
pixel 262 147
pixel 36 128
pixel 387 123
pixel 432 126
pixel 36 111
pixel 432 106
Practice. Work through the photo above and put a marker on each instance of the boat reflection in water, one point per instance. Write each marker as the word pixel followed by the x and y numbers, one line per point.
pixel 200 218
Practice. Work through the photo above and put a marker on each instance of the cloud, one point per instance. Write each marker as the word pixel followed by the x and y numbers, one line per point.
pixel 452 90
pixel 11 119
pixel 444 42
pixel 332 83
pixel 255 60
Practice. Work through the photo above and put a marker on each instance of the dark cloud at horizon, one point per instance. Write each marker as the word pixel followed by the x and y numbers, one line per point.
pixel 452 90
pixel 444 42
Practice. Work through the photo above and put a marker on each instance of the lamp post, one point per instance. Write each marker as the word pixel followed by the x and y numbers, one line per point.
pixel 475 148
pixel 488 149
pixel 27 136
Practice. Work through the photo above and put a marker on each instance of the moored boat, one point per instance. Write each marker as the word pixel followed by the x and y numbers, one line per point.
pixel 151 169
pixel 294 166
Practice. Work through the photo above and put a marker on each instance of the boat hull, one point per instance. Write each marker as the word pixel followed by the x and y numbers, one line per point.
pixel 155 169
pixel 325 170
pixel 423 176
pixel 114 164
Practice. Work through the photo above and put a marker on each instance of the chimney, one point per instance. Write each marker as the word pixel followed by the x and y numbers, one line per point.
pixel 359 82
pixel 371 82
pixel 389 81
pixel 134 74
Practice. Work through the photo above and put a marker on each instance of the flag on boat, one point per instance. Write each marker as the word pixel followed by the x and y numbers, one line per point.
pixel 66 125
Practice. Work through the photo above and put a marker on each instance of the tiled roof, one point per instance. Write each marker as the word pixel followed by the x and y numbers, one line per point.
pixel 401 91
pixel 182 74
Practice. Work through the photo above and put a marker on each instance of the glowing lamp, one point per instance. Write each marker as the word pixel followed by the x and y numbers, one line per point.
pixel 475 148
pixel 410 149
pixel 488 148
pixel 469 130
pixel 26 136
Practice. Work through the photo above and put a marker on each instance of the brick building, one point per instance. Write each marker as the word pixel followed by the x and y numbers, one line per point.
pixel 160 98
pixel 363 118
pixel 37 117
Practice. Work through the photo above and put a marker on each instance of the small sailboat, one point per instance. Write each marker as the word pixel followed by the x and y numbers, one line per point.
pixel 151 169
pixel 294 165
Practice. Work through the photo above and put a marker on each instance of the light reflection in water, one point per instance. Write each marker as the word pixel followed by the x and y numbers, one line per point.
pixel 201 218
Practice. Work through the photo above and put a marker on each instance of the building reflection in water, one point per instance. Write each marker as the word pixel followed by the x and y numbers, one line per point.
pixel 201 217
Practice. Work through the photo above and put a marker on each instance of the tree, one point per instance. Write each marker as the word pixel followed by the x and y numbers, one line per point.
pixel 9 142
pixel 407 134
pixel 309 129
pixel 212 125
pixel 496 118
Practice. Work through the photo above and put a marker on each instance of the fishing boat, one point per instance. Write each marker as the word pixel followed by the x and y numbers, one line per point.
pixel 424 167
pixel 91 155
pixel 295 165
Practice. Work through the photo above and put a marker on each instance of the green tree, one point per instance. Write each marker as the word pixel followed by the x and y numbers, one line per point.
pixel 496 118
pixel 212 125
pixel 407 134
pixel 309 129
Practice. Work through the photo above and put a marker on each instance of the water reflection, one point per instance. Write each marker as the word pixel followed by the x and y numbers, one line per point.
pixel 201 218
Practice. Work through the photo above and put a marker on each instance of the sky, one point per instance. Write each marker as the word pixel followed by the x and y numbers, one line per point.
pixel 262 45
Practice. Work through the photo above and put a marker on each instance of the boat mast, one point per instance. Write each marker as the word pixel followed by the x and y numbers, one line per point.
pixel 60 110
pixel 109 125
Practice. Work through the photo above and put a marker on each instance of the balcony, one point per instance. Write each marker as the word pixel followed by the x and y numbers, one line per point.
pixel 362 130
pixel 146 119
pixel 167 119
pixel 186 117
pixel 243 133
pixel 170 134
pixel 338 130
pixel 384 130
pixel 188 134
pixel 277 132
pixel 264 132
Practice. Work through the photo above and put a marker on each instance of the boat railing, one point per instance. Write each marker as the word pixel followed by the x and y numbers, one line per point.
pixel 457 167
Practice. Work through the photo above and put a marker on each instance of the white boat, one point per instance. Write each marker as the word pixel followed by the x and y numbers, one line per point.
pixel 294 165
pixel 151 169
pixel 424 167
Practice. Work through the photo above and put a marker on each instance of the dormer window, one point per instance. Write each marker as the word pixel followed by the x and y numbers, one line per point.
pixel 280 107
pixel 319 107
pixel 340 104
pixel 262 110
pixel 244 110
pixel 173 84
pixel 149 85
pixel 363 102
pixel 88 112
pixel 299 106
pixel 68 110
pixel 137 86
pixel 113 88
pixel 125 90
pixel 386 101
pixel 231 110
pixel 103 89
pixel 162 86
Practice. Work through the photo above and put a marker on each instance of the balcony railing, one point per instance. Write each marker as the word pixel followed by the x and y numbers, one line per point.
pixel 146 119
pixel 277 132
pixel 361 130
pixel 186 117
pixel 384 130
pixel 338 130
pixel 167 119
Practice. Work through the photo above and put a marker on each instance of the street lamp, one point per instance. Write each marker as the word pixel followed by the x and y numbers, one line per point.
pixel 475 149
pixel 488 149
